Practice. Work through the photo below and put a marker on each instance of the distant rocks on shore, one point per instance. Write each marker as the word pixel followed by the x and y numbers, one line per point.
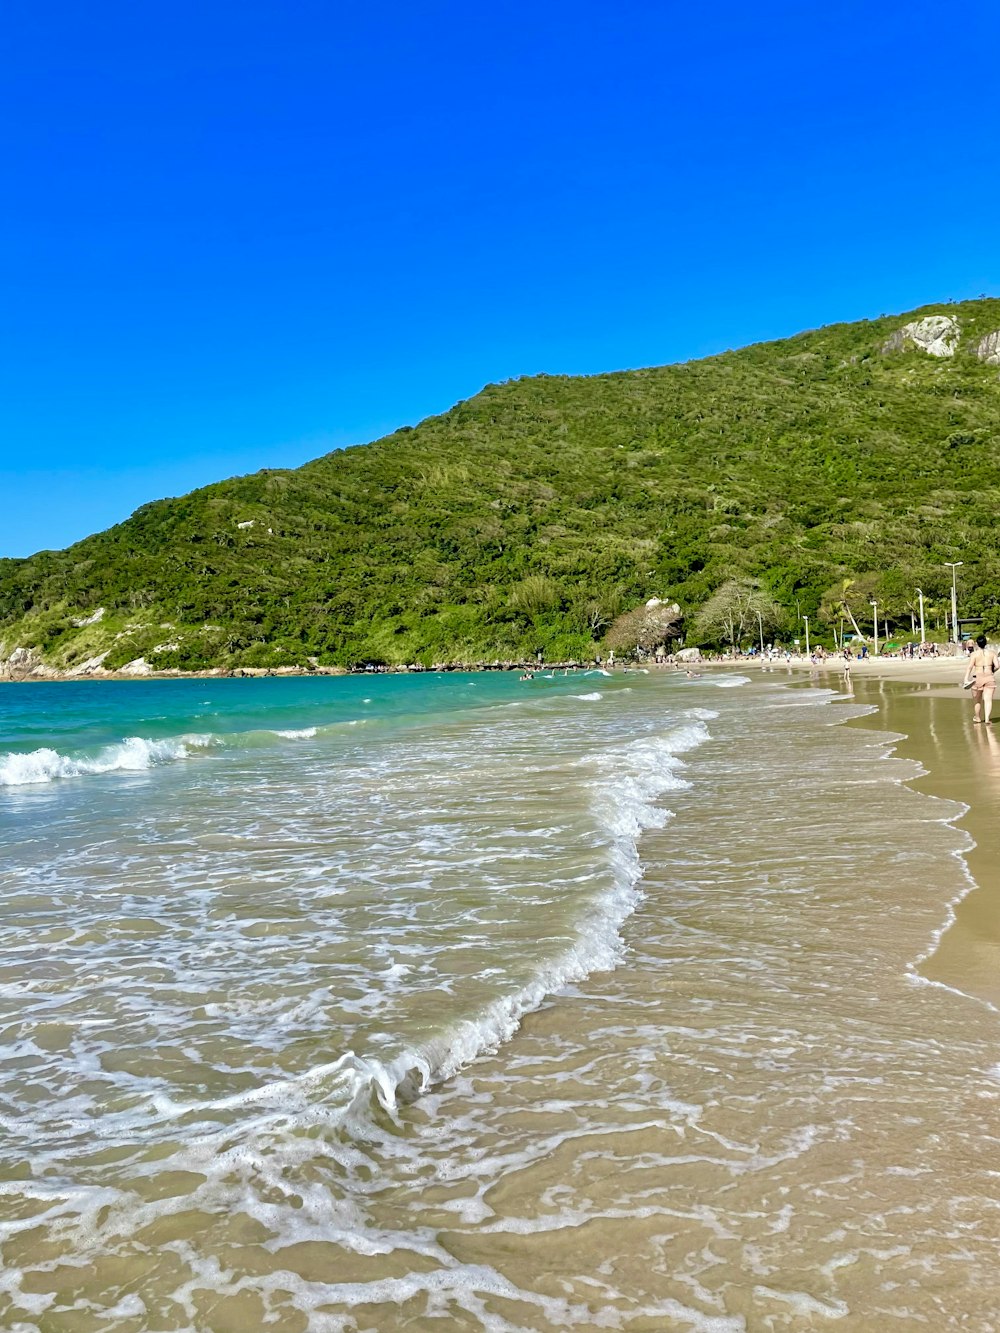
pixel 24 664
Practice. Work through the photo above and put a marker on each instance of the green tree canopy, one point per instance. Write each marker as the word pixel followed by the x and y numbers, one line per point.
pixel 740 609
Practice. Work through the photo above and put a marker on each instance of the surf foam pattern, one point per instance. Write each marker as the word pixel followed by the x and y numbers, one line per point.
pixel 293 901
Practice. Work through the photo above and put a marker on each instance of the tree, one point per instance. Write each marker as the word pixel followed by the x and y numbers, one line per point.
pixel 836 601
pixel 534 595
pixel 599 612
pixel 891 589
pixel 645 627
pixel 739 608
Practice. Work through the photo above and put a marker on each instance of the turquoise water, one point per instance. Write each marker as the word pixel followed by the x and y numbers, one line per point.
pixel 87 723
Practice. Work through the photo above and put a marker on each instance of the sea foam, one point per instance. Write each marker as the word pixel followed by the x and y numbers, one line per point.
pixel 625 798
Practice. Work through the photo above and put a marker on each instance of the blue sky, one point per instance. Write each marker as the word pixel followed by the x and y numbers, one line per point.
pixel 239 235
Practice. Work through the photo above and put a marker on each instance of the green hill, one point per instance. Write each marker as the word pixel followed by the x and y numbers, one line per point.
pixel 528 516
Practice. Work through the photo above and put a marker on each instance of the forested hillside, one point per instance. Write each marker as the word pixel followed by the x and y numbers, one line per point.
pixel 528 516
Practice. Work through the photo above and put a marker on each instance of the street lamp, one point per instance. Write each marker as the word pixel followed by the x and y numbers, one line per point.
pixel 874 606
pixel 953 565
pixel 806 619
pixel 920 594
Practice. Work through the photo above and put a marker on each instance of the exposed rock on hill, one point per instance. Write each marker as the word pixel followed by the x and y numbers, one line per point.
pixel 937 335
pixel 988 348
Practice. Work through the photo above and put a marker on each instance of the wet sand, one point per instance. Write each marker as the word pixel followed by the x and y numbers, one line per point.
pixel 963 764
pixel 924 700
pixel 763 1121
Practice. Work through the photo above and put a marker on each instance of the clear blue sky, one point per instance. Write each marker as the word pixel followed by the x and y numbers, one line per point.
pixel 238 235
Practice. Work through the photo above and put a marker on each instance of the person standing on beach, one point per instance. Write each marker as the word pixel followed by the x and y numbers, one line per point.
pixel 981 670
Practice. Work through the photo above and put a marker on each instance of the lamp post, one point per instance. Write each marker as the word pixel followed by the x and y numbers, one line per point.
pixel 806 619
pixel 920 594
pixel 953 565
pixel 874 606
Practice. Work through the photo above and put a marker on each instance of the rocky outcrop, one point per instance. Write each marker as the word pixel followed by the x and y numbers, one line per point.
pixel 937 335
pixel 137 667
pixel 988 348
pixel 97 616
pixel 92 666
pixel 25 664
pixel 645 627
pixel 19 664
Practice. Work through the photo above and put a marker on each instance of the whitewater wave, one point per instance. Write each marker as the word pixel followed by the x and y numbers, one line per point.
pixel 625 797
pixel 623 787
pixel 132 755
pixel 135 753
pixel 589 698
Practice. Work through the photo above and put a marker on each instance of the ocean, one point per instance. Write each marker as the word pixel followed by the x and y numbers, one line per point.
pixel 464 1002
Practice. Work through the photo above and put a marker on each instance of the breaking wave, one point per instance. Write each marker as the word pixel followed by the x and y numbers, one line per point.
pixel 132 755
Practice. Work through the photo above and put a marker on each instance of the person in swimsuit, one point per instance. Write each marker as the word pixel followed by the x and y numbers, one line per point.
pixel 981 670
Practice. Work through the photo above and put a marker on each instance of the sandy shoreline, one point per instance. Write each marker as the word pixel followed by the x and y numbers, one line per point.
pixel 961 763
pixel 925 670
pixel 923 702
pixel 920 671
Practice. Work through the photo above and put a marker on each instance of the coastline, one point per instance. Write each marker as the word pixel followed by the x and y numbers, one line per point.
pixel 39 672
pixel 923 671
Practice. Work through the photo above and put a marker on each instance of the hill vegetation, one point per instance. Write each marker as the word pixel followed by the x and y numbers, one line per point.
pixel 827 466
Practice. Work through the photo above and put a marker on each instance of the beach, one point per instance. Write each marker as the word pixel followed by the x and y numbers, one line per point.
pixel 697 981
